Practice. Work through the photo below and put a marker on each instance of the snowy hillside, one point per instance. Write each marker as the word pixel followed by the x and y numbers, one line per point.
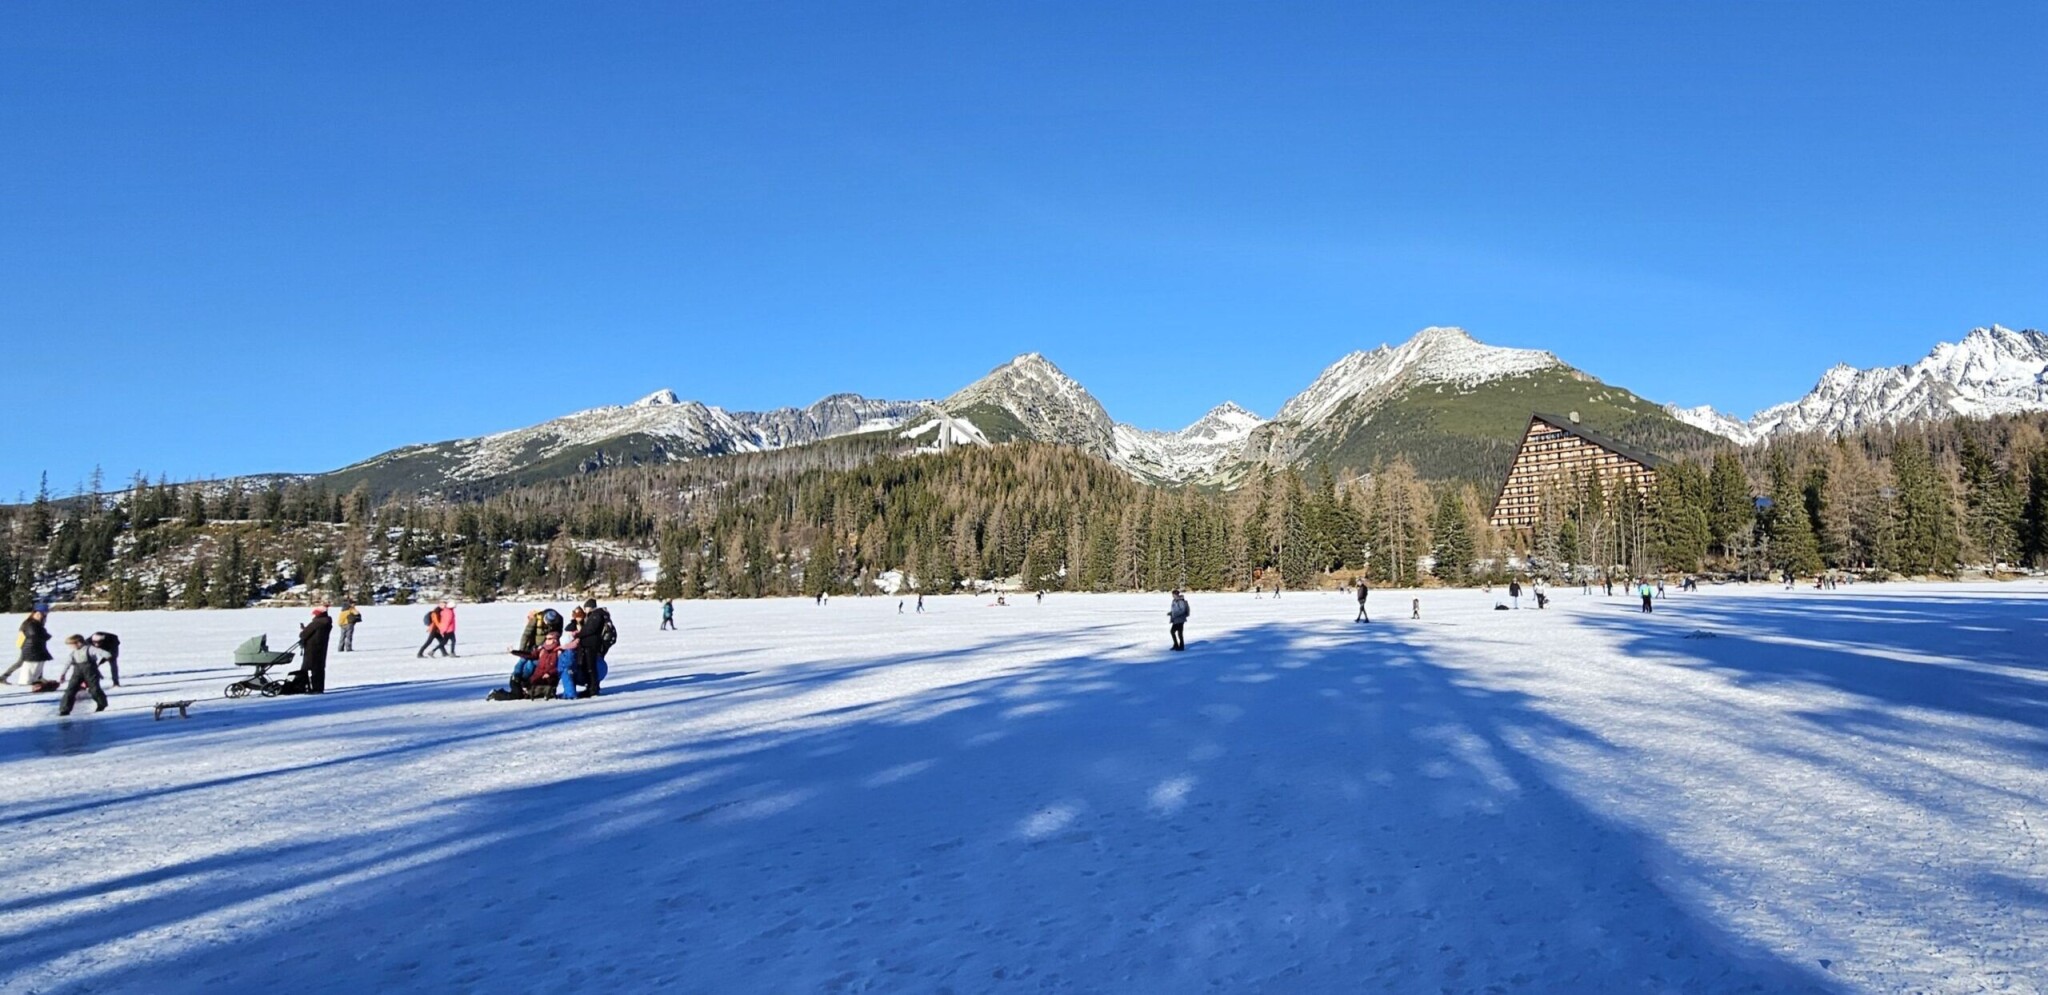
pixel 682 428
pixel 1433 355
pixel 1839 792
pixel 1992 371
pixel 1050 406
pixel 1196 452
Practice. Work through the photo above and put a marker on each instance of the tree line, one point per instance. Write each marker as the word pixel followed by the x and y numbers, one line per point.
pixel 1915 501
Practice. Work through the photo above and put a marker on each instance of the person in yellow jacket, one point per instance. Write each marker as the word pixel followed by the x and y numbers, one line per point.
pixel 346 621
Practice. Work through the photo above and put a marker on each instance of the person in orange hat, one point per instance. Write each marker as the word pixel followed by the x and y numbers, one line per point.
pixel 313 650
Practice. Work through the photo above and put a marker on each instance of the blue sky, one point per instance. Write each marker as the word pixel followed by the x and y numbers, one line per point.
pixel 240 237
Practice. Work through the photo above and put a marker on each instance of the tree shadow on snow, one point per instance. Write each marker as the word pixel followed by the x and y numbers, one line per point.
pixel 1263 812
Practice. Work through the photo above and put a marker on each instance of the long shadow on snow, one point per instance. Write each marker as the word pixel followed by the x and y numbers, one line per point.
pixel 1257 813
pixel 1771 640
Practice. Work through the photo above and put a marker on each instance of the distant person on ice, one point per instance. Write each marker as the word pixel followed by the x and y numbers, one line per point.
pixel 1647 592
pixel 1363 590
pixel 1176 620
pixel 35 650
pixel 668 613
pixel 313 650
pixel 83 672
pixel 1515 592
pixel 346 622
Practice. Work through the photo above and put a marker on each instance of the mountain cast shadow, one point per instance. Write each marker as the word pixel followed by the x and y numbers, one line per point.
pixel 1262 812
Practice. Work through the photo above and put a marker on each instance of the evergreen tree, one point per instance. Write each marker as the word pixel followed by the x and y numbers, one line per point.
pixel 1730 508
pixel 1923 537
pixel 1451 546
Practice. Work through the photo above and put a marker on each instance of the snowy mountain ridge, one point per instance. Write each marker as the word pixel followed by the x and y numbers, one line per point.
pixel 1994 370
pixel 1052 407
pixel 682 428
pixel 1438 354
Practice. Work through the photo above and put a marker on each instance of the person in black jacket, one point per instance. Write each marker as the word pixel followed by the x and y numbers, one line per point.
pixel 313 650
pixel 593 641
pixel 1363 591
pixel 109 644
pixel 1177 620
pixel 35 649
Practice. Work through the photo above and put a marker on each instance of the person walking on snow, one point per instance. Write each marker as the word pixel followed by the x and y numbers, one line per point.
pixel 313 650
pixel 1363 590
pixel 448 627
pixel 668 614
pixel 35 649
pixel 1646 591
pixel 1176 620
pixel 1515 593
pixel 433 643
pixel 346 621
pixel 83 672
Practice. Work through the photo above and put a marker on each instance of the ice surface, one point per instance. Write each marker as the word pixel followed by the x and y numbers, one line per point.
pixel 1842 792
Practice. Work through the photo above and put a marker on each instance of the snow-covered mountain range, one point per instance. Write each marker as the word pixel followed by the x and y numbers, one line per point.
pixel 1991 371
pixel 1447 401
pixel 660 425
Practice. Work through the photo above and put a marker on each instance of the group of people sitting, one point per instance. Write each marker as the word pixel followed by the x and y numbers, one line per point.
pixel 561 657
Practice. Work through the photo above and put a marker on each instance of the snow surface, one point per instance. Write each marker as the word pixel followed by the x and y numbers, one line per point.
pixel 1992 371
pixel 1836 792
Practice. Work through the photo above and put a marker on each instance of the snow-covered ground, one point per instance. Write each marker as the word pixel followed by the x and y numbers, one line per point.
pixel 1838 791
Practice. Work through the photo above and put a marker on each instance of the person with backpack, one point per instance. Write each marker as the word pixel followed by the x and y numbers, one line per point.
pixel 433 623
pixel 593 642
pixel 1647 592
pixel 1363 590
pixel 346 621
pixel 1177 619
pixel 313 638
pixel 83 672
pixel 35 651
pixel 668 614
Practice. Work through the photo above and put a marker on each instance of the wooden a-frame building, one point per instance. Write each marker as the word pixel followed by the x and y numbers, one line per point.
pixel 1559 451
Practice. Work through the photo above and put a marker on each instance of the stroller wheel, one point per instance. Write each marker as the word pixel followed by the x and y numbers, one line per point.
pixel 270 690
pixel 234 691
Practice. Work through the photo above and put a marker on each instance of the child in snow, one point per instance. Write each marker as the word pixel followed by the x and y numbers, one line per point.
pixel 537 671
pixel 83 672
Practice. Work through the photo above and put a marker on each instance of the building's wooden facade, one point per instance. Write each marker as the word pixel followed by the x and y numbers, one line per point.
pixel 1558 452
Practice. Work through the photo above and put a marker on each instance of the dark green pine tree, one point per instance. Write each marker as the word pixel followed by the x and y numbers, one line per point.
pixel 2034 516
pixel 1730 507
pixel 230 586
pixel 1793 547
pixel 1993 504
pixel 1680 523
pixel 1923 536
pixel 1452 535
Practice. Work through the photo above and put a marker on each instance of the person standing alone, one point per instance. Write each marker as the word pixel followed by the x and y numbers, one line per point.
pixel 1363 590
pixel 1646 591
pixel 1515 592
pixel 347 621
pixel 1177 620
pixel 668 613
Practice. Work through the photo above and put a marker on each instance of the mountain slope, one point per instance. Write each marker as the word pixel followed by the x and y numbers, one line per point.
pixel 1992 371
pixel 656 428
pixel 1453 406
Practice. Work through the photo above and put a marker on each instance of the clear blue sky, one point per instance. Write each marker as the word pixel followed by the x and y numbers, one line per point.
pixel 239 237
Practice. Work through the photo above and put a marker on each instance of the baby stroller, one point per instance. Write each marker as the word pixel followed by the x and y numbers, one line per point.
pixel 255 652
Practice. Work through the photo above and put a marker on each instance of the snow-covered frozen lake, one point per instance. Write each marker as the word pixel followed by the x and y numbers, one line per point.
pixel 1838 791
